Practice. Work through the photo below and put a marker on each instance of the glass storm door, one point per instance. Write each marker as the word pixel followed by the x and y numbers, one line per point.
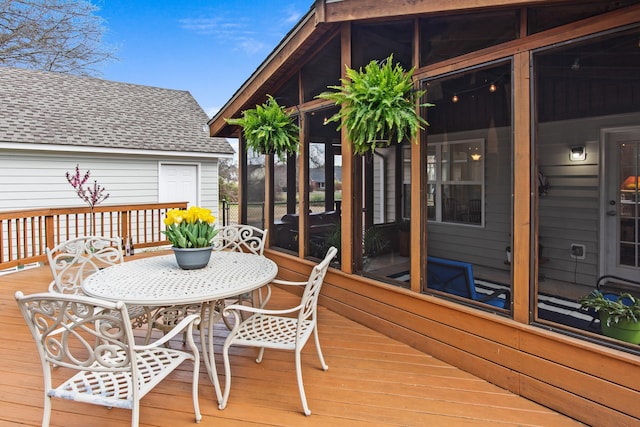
pixel 621 217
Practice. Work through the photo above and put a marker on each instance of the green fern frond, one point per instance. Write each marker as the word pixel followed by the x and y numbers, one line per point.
pixel 268 128
pixel 377 105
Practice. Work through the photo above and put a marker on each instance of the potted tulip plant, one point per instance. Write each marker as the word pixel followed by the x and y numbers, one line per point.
pixel 269 129
pixel 377 105
pixel 191 233
pixel 619 314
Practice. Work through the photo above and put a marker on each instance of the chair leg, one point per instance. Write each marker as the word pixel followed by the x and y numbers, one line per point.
pixel 194 381
pixel 317 339
pixel 260 354
pixel 264 299
pixel 303 396
pixel 135 413
pixel 46 413
pixel 227 377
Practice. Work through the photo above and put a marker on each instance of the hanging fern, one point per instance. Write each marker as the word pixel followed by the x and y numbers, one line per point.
pixel 269 129
pixel 377 105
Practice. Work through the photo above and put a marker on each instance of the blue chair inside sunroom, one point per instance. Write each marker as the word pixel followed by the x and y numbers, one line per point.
pixel 456 278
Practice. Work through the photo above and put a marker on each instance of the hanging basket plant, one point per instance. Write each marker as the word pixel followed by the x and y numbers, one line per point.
pixel 269 129
pixel 377 105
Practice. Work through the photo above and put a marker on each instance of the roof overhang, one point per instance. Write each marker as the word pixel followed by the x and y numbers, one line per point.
pixel 325 17
pixel 22 147
pixel 359 10
pixel 273 71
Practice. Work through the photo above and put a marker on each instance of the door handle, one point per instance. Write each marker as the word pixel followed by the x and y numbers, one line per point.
pixel 612 213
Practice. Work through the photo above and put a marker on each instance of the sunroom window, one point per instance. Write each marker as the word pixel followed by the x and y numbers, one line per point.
pixel 455 176
pixel 468 189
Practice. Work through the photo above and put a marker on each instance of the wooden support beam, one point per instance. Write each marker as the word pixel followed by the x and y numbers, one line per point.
pixel 348 171
pixel 522 193
pixel 374 9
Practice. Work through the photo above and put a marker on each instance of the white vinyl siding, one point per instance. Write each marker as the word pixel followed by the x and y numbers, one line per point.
pixel 570 212
pixel 34 180
pixel 483 245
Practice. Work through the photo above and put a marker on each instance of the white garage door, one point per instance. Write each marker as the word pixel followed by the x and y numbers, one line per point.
pixel 179 183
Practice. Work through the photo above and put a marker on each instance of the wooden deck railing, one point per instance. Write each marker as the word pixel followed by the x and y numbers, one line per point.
pixel 24 234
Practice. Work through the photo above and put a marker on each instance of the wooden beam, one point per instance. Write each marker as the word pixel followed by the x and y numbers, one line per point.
pixel 522 193
pixel 320 8
pixel 596 24
pixel 418 230
pixel 348 165
pixel 269 194
pixel 303 185
pixel 374 9
pixel 242 182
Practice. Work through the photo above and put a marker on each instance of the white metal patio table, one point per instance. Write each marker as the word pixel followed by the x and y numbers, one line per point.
pixel 159 282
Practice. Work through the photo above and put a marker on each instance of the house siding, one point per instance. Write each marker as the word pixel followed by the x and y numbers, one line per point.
pixel 481 245
pixel 570 210
pixel 38 180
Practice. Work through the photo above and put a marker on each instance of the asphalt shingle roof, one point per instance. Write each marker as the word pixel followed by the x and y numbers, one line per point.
pixel 54 108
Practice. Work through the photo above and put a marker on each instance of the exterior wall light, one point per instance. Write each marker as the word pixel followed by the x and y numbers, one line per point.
pixel 578 154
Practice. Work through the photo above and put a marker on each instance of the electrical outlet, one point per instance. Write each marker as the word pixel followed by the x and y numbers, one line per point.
pixel 577 251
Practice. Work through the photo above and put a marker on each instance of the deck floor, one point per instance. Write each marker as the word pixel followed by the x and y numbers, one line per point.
pixel 372 380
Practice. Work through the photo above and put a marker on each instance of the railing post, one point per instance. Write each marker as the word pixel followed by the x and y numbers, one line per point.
pixel 124 231
pixel 49 231
pixel 225 212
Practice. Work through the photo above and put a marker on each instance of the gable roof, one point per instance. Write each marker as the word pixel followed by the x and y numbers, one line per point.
pixel 39 107
pixel 323 21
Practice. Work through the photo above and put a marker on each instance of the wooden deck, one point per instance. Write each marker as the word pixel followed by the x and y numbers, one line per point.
pixel 372 381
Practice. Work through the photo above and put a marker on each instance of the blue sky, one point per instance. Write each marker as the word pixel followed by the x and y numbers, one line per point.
pixel 207 47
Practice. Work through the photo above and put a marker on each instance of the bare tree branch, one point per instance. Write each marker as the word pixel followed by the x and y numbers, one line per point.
pixel 52 35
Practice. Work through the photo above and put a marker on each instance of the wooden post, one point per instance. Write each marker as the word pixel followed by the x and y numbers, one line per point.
pixel 348 185
pixel 522 194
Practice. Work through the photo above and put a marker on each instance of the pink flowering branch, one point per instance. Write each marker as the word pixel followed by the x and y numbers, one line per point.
pixel 93 196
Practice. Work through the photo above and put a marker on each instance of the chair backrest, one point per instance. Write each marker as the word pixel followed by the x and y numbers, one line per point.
pixel 456 278
pixel 240 238
pixel 72 261
pixel 309 302
pixel 616 285
pixel 453 277
pixel 78 332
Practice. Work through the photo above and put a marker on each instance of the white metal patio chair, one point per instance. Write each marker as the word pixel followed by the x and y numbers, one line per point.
pixel 277 330
pixel 240 238
pixel 243 238
pixel 75 259
pixel 94 338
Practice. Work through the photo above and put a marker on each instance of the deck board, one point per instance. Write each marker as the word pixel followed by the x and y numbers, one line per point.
pixel 372 380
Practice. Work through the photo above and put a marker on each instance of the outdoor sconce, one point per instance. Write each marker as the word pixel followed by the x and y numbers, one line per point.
pixel 578 154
